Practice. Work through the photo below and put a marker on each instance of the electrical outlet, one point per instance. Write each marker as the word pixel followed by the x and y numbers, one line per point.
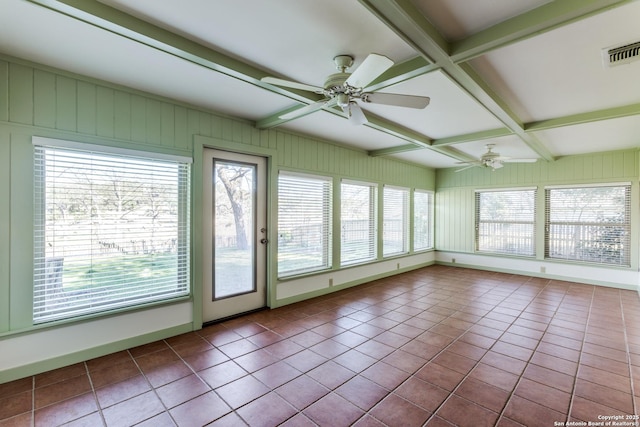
pixel 453 260
pixel 331 281
pixel 398 266
pixel 543 269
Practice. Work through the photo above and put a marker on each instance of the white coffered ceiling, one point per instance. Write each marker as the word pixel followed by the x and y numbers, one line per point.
pixel 527 75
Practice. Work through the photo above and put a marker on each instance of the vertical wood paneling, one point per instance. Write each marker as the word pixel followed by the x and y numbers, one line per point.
pixel 630 164
pixel 205 124
pixel 87 105
pixel 66 103
pixel 44 99
pixel 122 115
pixel 21 94
pixel 21 226
pixel 167 125
pixel 180 134
pixel 138 118
pixel 5 192
pixel 193 127
pixel 153 118
pixel 105 109
pixel 227 130
pixel 4 91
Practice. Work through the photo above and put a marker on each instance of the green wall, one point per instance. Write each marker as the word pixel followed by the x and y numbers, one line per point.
pixel 39 101
pixel 454 217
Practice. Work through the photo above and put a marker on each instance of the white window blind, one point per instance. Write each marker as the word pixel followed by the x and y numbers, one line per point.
pixel 505 222
pixel 304 223
pixel 395 216
pixel 422 220
pixel 357 222
pixel 110 231
pixel 590 224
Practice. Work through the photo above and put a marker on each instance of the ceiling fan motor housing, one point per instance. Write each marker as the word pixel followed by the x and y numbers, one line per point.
pixel 335 81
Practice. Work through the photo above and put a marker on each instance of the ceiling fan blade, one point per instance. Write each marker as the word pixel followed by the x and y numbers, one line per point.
pixel 293 85
pixel 308 109
pixel 396 99
pixel 371 67
pixel 355 113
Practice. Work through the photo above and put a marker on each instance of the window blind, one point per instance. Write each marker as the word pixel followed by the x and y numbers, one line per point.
pixel 357 222
pixel 422 220
pixel 110 231
pixel 590 224
pixel 304 223
pixel 505 222
pixel 395 216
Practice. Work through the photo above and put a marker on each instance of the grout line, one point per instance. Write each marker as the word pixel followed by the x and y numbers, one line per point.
pixel 627 348
pixel 95 395
pixel 584 339
pixel 33 401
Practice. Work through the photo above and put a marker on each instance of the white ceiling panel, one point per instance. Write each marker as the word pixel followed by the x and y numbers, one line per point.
pixel 606 135
pixel 450 112
pixel 328 126
pixel 457 19
pixel 296 39
pixel 425 156
pixel 560 72
pixel 129 63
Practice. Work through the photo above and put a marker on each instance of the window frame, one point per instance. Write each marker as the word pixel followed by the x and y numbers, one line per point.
pixel 508 223
pixel 430 208
pixel 168 289
pixel 404 222
pixel 371 246
pixel 624 260
pixel 326 226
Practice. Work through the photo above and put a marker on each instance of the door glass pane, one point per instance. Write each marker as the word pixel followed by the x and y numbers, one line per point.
pixel 233 228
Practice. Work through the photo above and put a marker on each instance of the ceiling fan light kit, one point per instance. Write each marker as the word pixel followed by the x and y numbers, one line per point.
pixel 346 89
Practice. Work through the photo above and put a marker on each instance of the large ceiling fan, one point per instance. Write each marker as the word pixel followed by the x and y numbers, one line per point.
pixel 347 89
pixel 493 160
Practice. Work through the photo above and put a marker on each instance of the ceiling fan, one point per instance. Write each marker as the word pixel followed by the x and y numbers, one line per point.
pixel 493 160
pixel 347 89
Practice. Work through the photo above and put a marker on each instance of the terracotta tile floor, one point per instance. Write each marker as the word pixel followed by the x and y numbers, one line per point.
pixel 436 346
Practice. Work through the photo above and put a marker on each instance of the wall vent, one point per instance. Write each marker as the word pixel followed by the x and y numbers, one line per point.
pixel 620 55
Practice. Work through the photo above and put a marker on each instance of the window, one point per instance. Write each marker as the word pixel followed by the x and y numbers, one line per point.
pixel 505 221
pixel 304 223
pixel 111 231
pixel 357 222
pixel 395 216
pixel 590 224
pixel 422 220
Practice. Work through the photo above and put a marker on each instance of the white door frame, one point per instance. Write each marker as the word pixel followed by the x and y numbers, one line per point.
pixel 213 310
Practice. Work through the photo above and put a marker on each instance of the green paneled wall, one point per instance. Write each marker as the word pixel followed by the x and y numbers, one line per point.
pixel 455 203
pixel 37 100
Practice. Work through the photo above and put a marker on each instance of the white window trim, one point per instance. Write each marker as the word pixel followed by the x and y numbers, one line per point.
pixel 183 267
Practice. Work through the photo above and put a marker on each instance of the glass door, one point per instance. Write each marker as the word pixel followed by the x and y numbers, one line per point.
pixel 236 234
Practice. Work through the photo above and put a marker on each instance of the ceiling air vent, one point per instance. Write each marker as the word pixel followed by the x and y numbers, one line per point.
pixel 619 55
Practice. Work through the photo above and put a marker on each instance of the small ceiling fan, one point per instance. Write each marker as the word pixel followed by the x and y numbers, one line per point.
pixel 347 89
pixel 493 160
